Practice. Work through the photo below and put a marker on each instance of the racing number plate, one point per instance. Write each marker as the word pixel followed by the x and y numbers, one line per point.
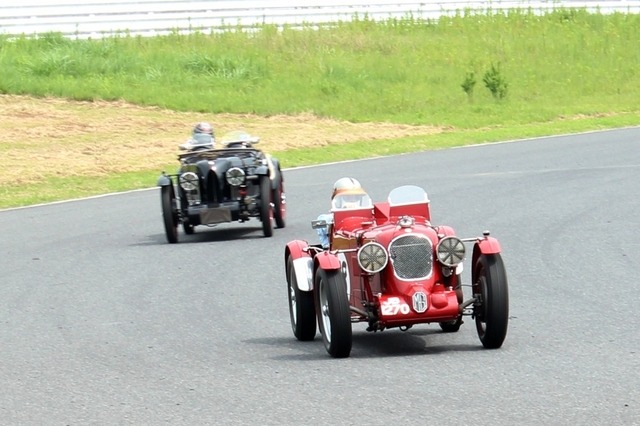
pixel 391 306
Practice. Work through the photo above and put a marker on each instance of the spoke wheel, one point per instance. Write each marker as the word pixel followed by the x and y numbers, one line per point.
pixel 169 213
pixel 492 310
pixel 265 206
pixel 332 308
pixel 301 307
pixel 279 205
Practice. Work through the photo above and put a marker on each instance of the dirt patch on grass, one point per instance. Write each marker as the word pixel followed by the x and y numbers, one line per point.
pixel 47 137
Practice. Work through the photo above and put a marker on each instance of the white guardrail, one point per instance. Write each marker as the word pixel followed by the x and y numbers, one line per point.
pixel 100 18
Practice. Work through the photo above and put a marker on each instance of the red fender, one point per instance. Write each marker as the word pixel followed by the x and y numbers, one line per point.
pixel 296 249
pixel 486 245
pixel 327 261
pixel 302 263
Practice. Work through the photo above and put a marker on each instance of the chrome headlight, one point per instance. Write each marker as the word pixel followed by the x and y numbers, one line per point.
pixel 372 257
pixel 189 181
pixel 451 251
pixel 235 176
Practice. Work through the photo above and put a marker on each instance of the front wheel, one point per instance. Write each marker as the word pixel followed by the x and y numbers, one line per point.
pixel 169 213
pixel 491 311
pixel 265 206
pixel 302 311
pixel 332 309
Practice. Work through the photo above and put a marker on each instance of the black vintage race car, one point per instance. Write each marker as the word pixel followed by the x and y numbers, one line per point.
pixel 232 183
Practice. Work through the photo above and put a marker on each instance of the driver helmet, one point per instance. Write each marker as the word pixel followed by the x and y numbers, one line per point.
pixel 349 194
pixel 203 127
pixel 203 136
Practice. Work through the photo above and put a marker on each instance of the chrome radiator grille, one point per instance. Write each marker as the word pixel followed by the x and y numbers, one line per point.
pixel 412 257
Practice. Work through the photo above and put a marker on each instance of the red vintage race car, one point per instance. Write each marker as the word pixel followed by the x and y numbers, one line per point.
pixel 388 266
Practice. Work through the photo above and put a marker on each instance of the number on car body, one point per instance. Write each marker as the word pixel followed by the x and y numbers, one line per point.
pixel 393 306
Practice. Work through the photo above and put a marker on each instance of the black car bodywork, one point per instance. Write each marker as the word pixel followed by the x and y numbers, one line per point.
pixel 233 183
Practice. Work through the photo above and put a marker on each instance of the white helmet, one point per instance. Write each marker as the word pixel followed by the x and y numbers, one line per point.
pixel 345 184
pixel 349 194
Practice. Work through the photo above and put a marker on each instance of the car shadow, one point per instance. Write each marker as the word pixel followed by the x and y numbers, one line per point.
pixel 204 234
pixel 390 343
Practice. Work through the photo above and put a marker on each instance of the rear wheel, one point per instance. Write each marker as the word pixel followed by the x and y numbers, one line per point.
pixel 169 213
pixel 279 205
pixel 265 206
pixel 302 311
pixel 188 228
pixel 492 309
pixel 332 309
pixel 186 225
pixel 451 326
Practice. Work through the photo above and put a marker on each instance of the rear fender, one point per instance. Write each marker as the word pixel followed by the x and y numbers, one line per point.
pixel 302 264
pixel 275 174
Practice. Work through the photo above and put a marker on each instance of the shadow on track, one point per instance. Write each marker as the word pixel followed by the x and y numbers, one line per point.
pixel 390 343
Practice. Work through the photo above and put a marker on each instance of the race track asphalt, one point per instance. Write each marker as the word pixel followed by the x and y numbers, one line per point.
pixel 103 322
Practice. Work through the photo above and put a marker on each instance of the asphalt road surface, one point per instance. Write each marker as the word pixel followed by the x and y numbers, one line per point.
pixel 103 322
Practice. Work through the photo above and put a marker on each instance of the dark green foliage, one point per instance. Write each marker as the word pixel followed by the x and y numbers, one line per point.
pixel 469 83
pixel 495 82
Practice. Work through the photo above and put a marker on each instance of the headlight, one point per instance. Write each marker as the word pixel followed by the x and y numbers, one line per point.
pixel 235 176
pixel 451 251
pixel 372 257
pixel 189 181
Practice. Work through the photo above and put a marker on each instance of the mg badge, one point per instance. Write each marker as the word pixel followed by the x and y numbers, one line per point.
pixel 419 302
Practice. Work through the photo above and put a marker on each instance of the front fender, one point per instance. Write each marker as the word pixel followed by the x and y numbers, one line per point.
pixel 486 245
pixel 302 264
pixel 164 180
pixel 328 261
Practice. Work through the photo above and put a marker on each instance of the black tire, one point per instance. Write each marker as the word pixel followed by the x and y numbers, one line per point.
pixel 186 226
pixel 265 206
pixel 454 326
pixel 492 311
pixel 169 213
pixel 279 205
pixel 302 310
pixel 451 326
pixel 332 310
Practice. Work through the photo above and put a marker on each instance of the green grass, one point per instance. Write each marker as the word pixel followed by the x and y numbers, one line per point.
pixel 408 71
pixel 525 74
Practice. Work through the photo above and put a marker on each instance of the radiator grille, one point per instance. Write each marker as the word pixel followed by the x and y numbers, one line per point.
pixel 412 257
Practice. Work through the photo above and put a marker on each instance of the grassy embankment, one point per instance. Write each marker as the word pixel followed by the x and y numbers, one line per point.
pixel 474 78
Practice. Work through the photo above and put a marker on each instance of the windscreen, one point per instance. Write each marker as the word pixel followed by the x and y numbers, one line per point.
pixel 407 194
